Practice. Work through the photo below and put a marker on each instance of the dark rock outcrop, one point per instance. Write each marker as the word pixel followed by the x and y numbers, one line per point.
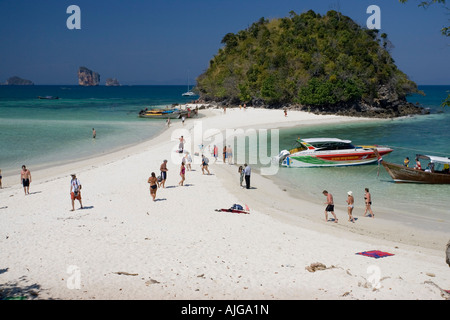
pixel 112 82
pixel 88 77
pixel 16 81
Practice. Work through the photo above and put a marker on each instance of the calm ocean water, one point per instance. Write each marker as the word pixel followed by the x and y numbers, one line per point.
pixel 42 132
pixel 38 132
pixel 427 134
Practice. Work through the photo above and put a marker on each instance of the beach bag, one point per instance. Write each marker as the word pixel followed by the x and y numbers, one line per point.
pixel 159 178
pixel 237 207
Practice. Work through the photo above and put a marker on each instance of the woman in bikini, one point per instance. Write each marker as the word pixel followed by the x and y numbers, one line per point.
pixel 350 205
pixel 368 201
pixel 153 185
pixel 182 174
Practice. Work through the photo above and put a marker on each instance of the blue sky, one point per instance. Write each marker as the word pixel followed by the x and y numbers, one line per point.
pixel 166 41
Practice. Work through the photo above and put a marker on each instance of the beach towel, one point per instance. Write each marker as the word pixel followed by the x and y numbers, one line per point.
pixel 375 254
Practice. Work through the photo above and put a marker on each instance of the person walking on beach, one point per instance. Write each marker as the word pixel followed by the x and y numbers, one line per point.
pixel 153 185
pixel 163 169
pixel 330 205
pixel 168 122
pixel 75 191
pixel 182 120
pixel 229 154
pixel 368 202
pixel 1 187
pixel 224 153
pixel 205 161
pixel 247 173
pixel 215 153
pixel 182 174
pixel 181 145
pixel 350 205
pixel 25 178
pixel 94 133
pixel 188 161
pixel 241 175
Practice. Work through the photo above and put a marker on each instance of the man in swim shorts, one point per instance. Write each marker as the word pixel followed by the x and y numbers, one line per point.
pixel 163 169
pixel 25 177
pixel 330 205
pixel 75 191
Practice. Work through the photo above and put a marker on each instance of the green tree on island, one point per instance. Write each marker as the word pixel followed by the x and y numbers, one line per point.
pixel 305 59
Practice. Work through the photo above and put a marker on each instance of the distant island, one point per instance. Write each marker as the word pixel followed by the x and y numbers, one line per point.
pixel 88 77
pixel 112 82
pixel 323 64
pixel 16 81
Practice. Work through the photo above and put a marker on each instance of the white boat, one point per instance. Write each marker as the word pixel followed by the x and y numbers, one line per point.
pixel 328 152
pixel 189 93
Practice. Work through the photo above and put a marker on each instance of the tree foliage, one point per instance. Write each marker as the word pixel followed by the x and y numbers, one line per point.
pixel 307 59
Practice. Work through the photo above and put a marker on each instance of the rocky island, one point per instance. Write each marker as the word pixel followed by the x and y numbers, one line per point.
pixel 112 82
pixel 16 81
pixel 324 64
pixel 88 77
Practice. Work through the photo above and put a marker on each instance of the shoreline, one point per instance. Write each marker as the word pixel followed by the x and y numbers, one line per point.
pixel 182 249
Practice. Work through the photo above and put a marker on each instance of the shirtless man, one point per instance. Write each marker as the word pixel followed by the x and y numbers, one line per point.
pixel 163 170
pixel 25 177
pixel 330 205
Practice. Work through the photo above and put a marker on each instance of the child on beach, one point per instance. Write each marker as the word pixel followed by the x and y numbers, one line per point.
pixel 153 185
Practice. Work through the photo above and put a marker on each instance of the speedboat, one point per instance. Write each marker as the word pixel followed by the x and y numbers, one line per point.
pixel 328 152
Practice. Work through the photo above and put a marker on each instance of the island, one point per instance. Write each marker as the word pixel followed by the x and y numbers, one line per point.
pixel 112 82
pixel 16 81
pixel 324 64
pixel 88 77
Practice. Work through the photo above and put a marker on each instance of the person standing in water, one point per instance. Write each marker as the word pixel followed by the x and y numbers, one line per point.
pixel 94 133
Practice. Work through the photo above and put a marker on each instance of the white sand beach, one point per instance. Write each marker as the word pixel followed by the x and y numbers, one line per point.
pixel 122 245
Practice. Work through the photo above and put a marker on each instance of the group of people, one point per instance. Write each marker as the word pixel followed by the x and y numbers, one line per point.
pixel 227 154
pixel 160 181
pixel 350 205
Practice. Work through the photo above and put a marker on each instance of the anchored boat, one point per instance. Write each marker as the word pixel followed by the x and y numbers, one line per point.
pixel 328 152
pixel 437 171
pixel 163 113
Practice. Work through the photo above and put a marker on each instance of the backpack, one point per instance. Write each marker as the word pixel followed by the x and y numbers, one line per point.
pixel 237 207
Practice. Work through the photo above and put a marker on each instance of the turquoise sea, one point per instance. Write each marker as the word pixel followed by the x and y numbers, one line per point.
pixel 38 132
pixel 408 136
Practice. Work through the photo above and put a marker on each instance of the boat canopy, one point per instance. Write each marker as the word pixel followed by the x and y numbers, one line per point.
pixel 434 159
pixel 315 140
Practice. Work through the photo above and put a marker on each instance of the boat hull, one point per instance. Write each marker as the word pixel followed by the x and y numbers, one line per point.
pixel 163 114
pixel 402 174
pixel 334 159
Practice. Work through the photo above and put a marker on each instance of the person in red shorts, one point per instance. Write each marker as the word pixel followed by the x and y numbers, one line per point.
pixel 75 191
